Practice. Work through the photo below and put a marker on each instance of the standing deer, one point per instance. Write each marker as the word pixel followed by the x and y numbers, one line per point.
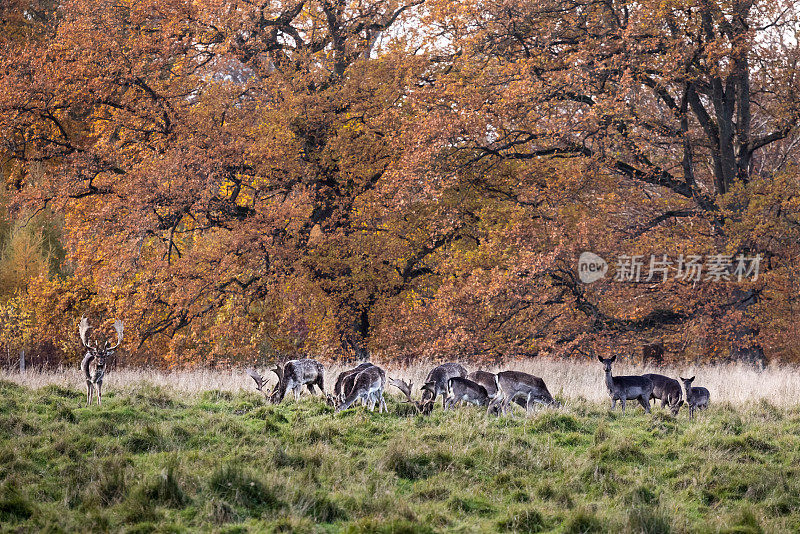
pixel 436 382
pixel 345 380
pixel 94 362
pixel 668 390
pixel 292 376
pixel 513 385
pixel 368 386
pixel 625 388
pixel 425 408
pixel 695 397
pixel 465 390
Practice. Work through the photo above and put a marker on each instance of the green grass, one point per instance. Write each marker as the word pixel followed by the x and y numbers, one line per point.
pixel 151 459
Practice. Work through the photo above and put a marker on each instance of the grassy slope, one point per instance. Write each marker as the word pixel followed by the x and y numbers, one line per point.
pixel 152 459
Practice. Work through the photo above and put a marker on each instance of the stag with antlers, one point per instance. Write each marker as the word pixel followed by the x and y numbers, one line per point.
pixel 94 362
pixel 424 407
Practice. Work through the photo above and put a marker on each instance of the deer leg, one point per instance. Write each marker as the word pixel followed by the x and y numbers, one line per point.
pixel 99 387
pixel 310 388
pixel 645 404
pixel 622 400
pixel 88 393
pixel 614 404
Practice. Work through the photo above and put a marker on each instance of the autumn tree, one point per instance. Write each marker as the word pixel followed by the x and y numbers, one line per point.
pixel 671 107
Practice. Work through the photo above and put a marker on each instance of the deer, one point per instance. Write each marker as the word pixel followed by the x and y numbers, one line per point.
pixel 668 390
pixel 93 364
pixel 424 408
pixel 292 376
pixel 368 386
pixel 695 397
pixel 486 379
pixel 436 381
pixel 345 380
pixel 624 388
pixel 465 390
pixel 513 385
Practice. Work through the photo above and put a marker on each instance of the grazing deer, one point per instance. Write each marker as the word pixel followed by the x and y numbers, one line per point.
pixel 260 383
pixel 625 388
pixel 94 362
pixel 695 397
pixel 668 390
pixel 292 376
pixel 425 408
pixel 368 386
pixel 513 385
pixel 345 381
pixel 465 390
pixel 487 380
pixel 436 382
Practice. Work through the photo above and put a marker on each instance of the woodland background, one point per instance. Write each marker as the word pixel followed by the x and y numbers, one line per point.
pixel 240 179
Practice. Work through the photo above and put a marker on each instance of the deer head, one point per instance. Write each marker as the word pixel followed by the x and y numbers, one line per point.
pixel 95 350
pixel 424 407
pixel 607 362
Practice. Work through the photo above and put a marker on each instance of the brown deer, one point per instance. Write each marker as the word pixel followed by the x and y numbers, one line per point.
pixel 667 390
pixel 94 362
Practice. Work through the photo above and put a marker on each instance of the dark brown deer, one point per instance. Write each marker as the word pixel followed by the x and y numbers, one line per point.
pixel 696 398
pixel 624 388
pixel 667 390
pixel 94 362
pixel 465 390
pixel 436 382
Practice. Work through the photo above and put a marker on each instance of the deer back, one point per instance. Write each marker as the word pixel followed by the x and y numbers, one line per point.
pixel 485 379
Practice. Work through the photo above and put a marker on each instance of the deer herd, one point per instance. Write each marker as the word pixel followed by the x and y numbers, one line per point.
pixel 450 381
pixel 494 391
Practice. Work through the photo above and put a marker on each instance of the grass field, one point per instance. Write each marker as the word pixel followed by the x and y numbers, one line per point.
pixel 193 457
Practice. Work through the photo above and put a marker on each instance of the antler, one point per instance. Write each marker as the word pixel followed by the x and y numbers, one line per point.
pixel 83 330
pixel 404 387
pixel 118 326
pixel 257 377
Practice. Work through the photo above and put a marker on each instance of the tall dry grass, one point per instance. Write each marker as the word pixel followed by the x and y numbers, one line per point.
pixel 569 379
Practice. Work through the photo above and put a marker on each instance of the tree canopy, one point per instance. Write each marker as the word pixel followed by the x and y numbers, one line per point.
pixel 239 180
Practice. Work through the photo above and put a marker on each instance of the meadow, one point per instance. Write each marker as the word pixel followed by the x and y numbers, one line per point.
pixel 202 451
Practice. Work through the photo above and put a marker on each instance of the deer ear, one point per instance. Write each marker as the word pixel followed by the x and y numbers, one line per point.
pixel 601 359
pixel 691 379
